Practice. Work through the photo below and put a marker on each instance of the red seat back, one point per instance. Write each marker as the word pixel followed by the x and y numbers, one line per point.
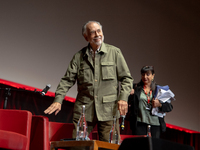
pixel 15 124
pixel 39 133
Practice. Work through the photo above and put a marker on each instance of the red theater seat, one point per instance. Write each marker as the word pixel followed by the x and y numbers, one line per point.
pixel 44 131
pixel 15 127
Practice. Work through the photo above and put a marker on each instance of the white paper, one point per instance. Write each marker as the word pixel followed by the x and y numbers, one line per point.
pixel 163 96
pixel 155 111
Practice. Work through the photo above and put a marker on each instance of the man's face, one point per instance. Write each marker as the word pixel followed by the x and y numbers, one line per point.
pixel 94 34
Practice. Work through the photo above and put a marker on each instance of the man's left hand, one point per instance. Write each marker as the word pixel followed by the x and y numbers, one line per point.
pixel 122 107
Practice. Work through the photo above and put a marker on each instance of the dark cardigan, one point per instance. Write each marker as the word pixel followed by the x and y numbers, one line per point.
pixel 133 101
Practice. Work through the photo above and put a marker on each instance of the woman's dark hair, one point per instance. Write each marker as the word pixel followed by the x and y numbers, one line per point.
pixel 146 69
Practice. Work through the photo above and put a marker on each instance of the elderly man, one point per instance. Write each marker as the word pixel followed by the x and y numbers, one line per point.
pixel 98 69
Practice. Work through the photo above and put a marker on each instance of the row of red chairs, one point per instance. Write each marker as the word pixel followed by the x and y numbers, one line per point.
pixel 20 130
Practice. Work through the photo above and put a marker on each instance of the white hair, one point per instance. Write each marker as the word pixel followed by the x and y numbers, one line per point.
pixel 84 28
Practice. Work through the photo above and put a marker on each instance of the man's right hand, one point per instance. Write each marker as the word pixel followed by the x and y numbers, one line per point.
pixel 54 107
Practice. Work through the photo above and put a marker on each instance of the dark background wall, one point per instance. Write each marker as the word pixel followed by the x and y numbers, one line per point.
pixel 39 37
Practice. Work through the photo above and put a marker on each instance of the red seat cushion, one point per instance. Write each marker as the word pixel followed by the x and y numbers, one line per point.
pixel 16 141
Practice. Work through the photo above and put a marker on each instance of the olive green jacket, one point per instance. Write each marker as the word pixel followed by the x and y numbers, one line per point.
pixel 97 82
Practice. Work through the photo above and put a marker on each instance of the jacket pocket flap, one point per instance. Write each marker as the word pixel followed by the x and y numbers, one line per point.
pixel 109 98
pixel 107 63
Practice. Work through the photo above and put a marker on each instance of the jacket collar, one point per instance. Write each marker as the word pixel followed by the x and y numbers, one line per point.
pixel 103 49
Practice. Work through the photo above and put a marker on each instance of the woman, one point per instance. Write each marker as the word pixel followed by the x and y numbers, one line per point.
pixel 142 101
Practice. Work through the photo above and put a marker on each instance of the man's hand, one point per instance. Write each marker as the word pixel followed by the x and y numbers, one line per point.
pixel 156 103
pixel 54 107
pixel 122 107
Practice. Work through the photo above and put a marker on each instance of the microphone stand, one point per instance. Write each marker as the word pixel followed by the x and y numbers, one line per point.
pixel 8 93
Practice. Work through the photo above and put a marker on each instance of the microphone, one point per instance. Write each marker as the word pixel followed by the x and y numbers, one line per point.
pixel 44 91
pixel 122 122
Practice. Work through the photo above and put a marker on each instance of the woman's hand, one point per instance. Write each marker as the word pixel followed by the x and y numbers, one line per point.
pixel 156 103
pixel 132 92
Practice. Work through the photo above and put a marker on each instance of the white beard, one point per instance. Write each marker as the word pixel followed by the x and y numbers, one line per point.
pixel 99 42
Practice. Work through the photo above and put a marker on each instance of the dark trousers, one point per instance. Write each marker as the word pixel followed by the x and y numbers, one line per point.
pixel 141 129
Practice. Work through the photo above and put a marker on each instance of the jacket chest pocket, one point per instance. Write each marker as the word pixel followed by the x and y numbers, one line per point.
pixel 108 70
pixel 84 74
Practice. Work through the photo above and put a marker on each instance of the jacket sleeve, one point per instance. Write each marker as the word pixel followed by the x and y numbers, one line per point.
pixel 67 81
pixel 124 76
pixel 166 107
pixel 133 109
